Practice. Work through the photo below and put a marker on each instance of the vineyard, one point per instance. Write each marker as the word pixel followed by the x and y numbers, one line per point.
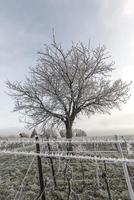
pixel 97 168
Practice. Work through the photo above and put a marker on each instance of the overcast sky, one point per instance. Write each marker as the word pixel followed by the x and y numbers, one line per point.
pixel 26 25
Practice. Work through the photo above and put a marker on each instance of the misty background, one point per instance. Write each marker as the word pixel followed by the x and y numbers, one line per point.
pixel 27 25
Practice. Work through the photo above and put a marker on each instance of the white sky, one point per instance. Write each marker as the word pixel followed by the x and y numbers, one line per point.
pixel 27 25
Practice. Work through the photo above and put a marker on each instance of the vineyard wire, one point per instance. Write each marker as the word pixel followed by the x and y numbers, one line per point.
pixel 66 141
pixel 21 185
pixel 71 156
pixel 38 197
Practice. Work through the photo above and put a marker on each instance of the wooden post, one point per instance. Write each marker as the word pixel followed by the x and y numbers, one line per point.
pixel 41 181
pixel 97 168
pixel 104 175
pixel 52 166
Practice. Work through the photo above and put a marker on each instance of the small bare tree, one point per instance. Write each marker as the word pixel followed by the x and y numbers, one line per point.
pixel 65 83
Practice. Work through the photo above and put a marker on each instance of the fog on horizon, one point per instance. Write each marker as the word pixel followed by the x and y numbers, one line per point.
pixel 27 25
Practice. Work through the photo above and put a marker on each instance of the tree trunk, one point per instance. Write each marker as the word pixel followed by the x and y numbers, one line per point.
pixel 69 134
pixel 68 130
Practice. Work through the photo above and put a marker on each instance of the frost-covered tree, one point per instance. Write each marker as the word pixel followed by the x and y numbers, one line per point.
pixel 62 133
pixel 49 134
pixel 65 83
pixel 33 134
pixel 75 133
pixel 79 133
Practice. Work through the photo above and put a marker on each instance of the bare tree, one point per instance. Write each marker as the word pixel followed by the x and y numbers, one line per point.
pixel 65 83
pixel 79 133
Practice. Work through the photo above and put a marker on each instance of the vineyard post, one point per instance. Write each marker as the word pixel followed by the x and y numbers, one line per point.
pixel 52 166
pixel 104 175
pixel 97 173
pixel 97 167
pixel 41 181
